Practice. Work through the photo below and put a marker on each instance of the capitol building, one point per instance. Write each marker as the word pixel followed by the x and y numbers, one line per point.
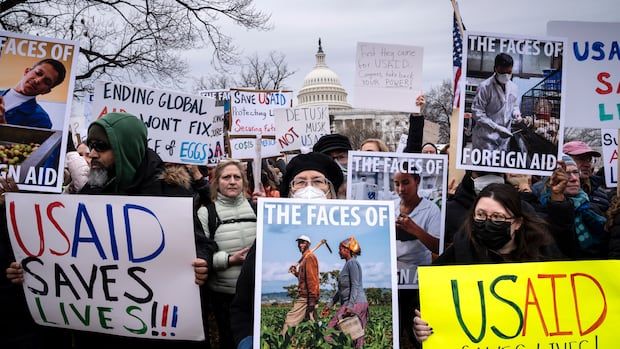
pixel 322 86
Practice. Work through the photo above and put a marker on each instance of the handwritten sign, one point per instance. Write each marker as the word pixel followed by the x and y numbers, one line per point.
pixel 244 148
pixel 593 73
pixel 252 112
pixel 610 156
pixel 108 264
pixel 182 128
pixel 388 77
pixel 32 137
pixel 526 305
pixel 301 127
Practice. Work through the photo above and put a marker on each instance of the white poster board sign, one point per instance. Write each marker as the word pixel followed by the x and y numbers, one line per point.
pixel 609 139
pixel 243 148
pixel 252 111
pixel 118 265
pixel 592 65
pixel 301 127
pixel 182 128
pixel 388 77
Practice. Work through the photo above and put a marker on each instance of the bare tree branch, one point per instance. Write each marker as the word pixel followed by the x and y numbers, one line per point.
pixel 135 39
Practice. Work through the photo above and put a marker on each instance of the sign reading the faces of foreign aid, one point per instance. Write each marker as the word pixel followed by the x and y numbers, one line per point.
pixel 545 305
pixel 111 264
pixel 338 255
pixel 37 75
pixel 514 107
pixel 182 128
pixel 593 73
pixel 404 178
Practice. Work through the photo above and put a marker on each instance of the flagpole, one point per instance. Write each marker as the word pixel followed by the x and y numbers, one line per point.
pixel 455 175
pixel 457 14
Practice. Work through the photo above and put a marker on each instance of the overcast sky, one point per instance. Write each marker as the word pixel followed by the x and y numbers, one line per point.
pixel 297 25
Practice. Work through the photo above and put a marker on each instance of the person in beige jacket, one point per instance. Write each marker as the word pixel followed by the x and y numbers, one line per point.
pixel 234 233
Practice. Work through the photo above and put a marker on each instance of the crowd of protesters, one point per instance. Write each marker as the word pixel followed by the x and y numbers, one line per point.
pixel 494 218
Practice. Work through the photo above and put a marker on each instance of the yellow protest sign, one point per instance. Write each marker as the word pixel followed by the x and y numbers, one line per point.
pixel 548 305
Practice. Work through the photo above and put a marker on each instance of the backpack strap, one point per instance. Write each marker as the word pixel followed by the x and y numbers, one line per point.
pixel 214 219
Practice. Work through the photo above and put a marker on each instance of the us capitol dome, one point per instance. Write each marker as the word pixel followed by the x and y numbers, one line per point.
pixel 322 86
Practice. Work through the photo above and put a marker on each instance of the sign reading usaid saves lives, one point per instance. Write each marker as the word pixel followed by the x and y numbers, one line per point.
pixel 111 264
pixel 182 128
pixel 547 305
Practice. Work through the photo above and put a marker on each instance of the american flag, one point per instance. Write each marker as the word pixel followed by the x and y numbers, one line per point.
pixel 457 57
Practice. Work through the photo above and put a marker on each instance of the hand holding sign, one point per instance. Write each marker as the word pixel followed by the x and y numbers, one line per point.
pixel 201 271
pixel 421 329
pixel 15 273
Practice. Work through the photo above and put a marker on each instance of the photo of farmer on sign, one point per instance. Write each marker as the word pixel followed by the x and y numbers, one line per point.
pixel 512 116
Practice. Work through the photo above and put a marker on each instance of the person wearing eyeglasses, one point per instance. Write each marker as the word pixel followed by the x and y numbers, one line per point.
pixel 564 197
pixel 498 230
pixel 122 164
pixel 307 176
pixel 593 185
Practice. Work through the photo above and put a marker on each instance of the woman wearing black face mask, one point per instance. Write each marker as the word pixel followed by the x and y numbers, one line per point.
pixel 497 230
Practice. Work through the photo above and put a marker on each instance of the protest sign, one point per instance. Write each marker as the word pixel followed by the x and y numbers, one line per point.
pixel 326 223
pixel 404 178
pixel 522 306
pixel 388 77
pixel 222 97
pixel 610 156
pixel 511 126
pixel 111 264
pixel 301 127
pixel 402 143
pixel 592 73
pixel 34 130
pixel 243 147
pixel 182 128
pixel 252 111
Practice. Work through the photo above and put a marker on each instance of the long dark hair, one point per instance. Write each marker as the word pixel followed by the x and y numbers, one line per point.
pixel 531 235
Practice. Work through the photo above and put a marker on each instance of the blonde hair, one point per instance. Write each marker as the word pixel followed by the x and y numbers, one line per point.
pixel 380 144
pixel 217 174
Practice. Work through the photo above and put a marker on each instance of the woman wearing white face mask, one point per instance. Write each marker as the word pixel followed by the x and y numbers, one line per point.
pixel 311 176
pixel 495 107
pixel 307 176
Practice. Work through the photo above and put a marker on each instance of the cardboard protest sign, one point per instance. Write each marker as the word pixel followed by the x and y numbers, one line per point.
pixel 301 127
pixel 524 305
pixel 111 264
pixel 325 223
pixel 35 123
pixel 244 148
pixel 593 73
pixel 610 156
pixel 511 123
pixel 404 178
pixel 252 111
pixel 388 77
pixel 182 128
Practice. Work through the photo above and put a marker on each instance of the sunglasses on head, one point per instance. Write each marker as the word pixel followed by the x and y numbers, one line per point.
pixel 98 146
